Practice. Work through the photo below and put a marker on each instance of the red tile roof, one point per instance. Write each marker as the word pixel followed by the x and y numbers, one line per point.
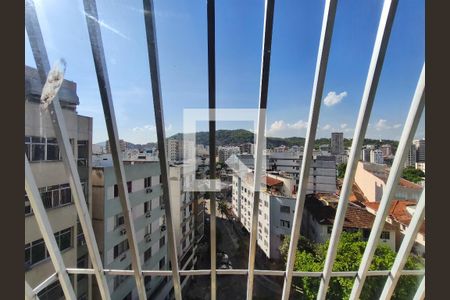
pixel 271 181
pixel 398 211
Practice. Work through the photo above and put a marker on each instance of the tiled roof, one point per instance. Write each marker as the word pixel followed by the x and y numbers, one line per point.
pixel 398 211
pixel 270 181
pixel 355 217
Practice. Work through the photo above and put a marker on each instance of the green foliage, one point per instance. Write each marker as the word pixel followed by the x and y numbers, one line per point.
pixel 341 170
pixel 412 174
pixel 311 258
pixel 223 207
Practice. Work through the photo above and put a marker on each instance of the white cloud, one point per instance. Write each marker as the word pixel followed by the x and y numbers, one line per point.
pixel 343 126
pixel 281 128
pixel 326 127
pixel 332 98
pixel 383 124
pixel 149 128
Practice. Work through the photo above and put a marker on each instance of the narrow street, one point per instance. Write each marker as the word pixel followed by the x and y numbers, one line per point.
pixel 234 241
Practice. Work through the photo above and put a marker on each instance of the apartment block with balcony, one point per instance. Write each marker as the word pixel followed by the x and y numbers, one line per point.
pixel 145 194
pixel 42 150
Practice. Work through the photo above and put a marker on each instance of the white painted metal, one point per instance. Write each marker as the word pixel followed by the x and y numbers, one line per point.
pixel 260 136
pixel 29 294
pixel 420 293
pixel 59 124
pixel 47 232
pixel 405 248
pixel 49 280
pixel 373 76
pixel 409 130
pixel 95 37
pixel 316 99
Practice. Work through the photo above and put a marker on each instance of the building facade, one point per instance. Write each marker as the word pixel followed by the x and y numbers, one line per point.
pixel 42 150
pixel 148 212
pixel 337 143
pixel 226 152
pixel 376 156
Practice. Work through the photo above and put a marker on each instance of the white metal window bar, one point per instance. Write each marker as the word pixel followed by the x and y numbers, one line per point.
pixel 260 135
pixel 409 130
pixel 375 67
pixel 40 55
pixel 150 28
pixel 378 54
pixel 316 100
pixel 47 232
pixel 29 293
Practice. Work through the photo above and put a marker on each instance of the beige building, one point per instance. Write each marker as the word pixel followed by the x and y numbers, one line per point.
pixel 372 178
pixel 47 166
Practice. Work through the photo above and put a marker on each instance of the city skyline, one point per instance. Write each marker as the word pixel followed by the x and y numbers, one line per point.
pixel 238 43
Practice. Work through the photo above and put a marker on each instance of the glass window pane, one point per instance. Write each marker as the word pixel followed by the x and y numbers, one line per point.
pixel 65 239
pixel 38 152
pixel 52 152
pixel 38 252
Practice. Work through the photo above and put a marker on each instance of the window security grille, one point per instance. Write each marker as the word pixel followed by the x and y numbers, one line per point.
pixel 53 149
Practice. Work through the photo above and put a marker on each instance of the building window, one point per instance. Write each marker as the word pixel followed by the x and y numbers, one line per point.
pixel 285 209
pixel 120 248
pixel 119 279
pixel 119 220
pixel 147 206
pixel 183 246
pixel 266 231
pixel 385 235
pixel 28 209
pixel 82 262
pixel 147 254
pixel 162 263
pixel 162 241
pixel 36 251
pixel 329 229
pixel 53 291
pixel 83 153
pixel 147 182
pixel 266 203
pixel 130 186
pixel 284 223
pixel 147 280
pixel 41 149
pixel 116 191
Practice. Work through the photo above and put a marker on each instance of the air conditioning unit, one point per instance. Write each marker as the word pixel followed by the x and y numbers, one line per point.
pixel 123 231
pixel 148 190
pixel 148 238
pixel 148 215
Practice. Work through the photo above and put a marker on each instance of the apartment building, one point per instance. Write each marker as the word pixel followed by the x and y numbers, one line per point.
pixel 226 152
pixel 376 156
pixel 322 176
pixel 188 218
pixel 46 163
pixel 372 178
pixel 411 159
pixel 337 143
pixel 365 155
pixel 420 147
pixel 145 194
pixel 276 209
pixel 174 150
pixel 247 148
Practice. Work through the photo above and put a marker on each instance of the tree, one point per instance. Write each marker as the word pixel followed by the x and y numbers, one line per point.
pixel 223 208
pixel 412 174
pixel 349 254
pixel 341 170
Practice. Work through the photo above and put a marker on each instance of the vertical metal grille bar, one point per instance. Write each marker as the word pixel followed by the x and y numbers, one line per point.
pixel 420 293
pixel 260 135
pixel 405 248
pixel 411 123
pixel 316 100
pixel 47 232
pixel 150 27
pixel 90 9
pixel 29 294
pixel 59 125
pixel 376 64
pixel 210 7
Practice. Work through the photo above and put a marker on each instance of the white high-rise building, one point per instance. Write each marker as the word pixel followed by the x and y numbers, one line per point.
pixel 226 152
pixel 420 147
pixel 365 154
pixel 376 156
pixel 337 143
pixel 174 150
pixel 411 159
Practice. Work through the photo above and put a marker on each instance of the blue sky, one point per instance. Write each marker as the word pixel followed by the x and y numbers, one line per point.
pixel 182 42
